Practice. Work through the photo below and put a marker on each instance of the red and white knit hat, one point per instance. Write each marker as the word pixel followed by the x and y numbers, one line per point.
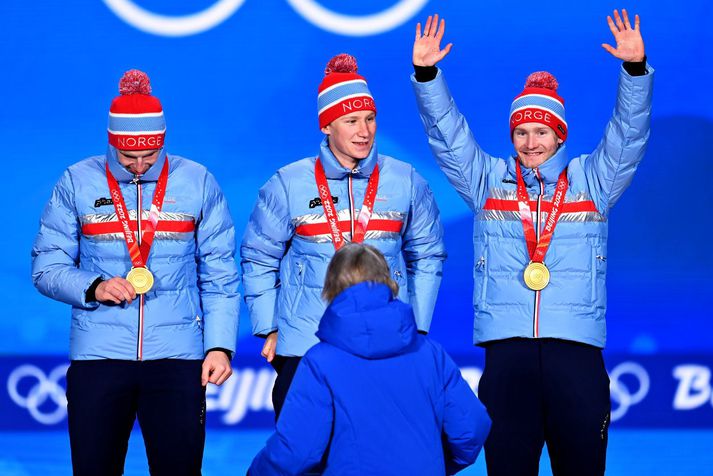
pixel 136 119
pixel 342 90
pixel 539 102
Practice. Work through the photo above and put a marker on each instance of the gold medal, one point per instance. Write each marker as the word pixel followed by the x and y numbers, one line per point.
pixel 537 276
pixel 141 279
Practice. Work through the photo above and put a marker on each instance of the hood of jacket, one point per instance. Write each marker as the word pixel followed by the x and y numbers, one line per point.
pixel 334 170
pixel 121 174
pixel 365 320
pixel 549 170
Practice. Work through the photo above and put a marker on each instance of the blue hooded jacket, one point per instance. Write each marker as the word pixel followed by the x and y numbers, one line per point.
pixel 375 397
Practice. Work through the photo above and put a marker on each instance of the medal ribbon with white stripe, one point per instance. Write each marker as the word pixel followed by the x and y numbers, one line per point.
pixel 538 248
pixel 330 212
pixel 139 254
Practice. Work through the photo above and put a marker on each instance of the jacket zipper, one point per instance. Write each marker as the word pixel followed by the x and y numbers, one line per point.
pixel 139 208
pixel 538 221
pixel 351 204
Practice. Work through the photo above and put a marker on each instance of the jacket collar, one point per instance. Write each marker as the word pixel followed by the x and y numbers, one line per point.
pixel 122 175
pixel 549 171
pixel 334 170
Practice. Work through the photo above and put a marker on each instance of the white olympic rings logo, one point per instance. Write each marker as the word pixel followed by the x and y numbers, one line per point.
pixel 45 387
pixel 221 10
pixel 624 396
pixel 349 25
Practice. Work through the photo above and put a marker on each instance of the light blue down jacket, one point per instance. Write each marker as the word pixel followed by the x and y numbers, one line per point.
pixel 194 302
pixel 573 305
pixel 287 245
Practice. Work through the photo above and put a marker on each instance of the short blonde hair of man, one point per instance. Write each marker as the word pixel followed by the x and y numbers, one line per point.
pixel 356 263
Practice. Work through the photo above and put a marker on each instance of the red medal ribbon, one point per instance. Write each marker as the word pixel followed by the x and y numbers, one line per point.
pixel 538 248
pixel 330 212
pixel 139 254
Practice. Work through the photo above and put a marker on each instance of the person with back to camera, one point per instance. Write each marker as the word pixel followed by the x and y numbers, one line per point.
pixel 308 209
pixel 540 241
pixel 374 397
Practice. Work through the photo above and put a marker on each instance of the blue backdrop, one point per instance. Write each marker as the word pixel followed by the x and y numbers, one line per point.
pixel 238 82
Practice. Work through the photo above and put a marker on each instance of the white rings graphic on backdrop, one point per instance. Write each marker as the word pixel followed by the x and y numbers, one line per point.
pixel 164 25
pixel 44 388
pixel 352 25
pixel 310 10
pixel 624 396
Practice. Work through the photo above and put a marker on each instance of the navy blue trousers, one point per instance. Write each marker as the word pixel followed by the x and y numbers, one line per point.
pixel 285 368
pixel 104 399
pixel 545 391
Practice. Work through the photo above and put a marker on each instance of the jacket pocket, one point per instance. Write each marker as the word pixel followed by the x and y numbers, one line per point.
pixel 480 274
pixel 398 274
pixel 195 307
pixel 598 276
pixel 300 278
pixel 176 307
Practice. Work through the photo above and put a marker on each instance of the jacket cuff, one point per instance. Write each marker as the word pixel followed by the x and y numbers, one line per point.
pixel 90 294
pixel 263 325
pixel 642 83
pixel 636 68
pixel 424 74
pixel 227 352
pixel 79 296
pixel 266 334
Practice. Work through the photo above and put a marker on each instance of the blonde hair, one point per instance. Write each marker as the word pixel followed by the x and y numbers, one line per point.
pixel 356 263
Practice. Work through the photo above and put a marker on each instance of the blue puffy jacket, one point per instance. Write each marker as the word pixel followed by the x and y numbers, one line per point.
pixel 287 245
pixel 376 397
pixel 194 302
pixel 573 305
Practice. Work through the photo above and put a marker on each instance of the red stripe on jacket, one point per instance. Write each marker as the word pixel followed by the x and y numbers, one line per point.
pixel 314 229
pixel 512 206
pixel 171 226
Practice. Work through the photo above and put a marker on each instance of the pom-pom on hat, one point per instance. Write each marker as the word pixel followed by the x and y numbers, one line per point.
pixel 539 102
pixel 342 91
pixel 136 119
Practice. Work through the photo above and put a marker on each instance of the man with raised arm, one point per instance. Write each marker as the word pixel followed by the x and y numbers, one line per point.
pixel 540 240
pixel 348 192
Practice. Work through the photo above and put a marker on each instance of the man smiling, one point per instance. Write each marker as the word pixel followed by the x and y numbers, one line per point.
pixel 540 240
pixel 311 207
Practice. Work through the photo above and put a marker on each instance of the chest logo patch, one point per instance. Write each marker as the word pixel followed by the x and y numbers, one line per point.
pixel 99 202
pixel 317 202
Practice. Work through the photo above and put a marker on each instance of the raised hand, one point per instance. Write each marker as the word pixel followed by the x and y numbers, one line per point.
pixel 427 48
pixel 629 43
